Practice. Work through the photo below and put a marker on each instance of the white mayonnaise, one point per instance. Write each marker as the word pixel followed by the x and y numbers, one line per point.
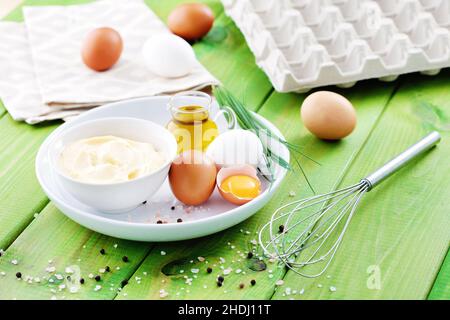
pixel 109 159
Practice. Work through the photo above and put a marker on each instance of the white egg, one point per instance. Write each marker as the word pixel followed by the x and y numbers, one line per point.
pixel 168 56
pixel 236 147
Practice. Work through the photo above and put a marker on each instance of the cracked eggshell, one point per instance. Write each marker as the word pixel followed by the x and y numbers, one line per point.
pixel 224 173
pixel 168 56
pixel 236 147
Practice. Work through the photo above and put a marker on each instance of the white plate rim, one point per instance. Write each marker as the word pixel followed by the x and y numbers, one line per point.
pixel 263 198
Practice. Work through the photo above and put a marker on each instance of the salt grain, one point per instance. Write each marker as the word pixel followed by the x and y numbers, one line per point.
pixel 333 289
pixel 97 287
pixel 14 262
pixel 227 271
pixel 163 253
pixel 69 270
pixel 279 282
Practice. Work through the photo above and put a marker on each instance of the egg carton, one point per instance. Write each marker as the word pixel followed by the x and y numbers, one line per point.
pixel 303 44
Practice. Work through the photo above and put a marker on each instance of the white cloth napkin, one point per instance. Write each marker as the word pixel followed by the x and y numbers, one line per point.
pixel 43 61
pixel 19 91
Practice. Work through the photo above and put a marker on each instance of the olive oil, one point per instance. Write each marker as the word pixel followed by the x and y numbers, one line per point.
pixel 192 128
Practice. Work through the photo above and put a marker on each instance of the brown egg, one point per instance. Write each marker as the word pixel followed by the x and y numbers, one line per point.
pixel 192 177
pixel 102 48
pixel 191 21
pixel 328 115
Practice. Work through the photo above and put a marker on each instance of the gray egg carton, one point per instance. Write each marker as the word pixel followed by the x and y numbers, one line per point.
pixel 303 44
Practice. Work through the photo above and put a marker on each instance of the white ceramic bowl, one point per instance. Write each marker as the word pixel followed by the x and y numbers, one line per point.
pixel 123 196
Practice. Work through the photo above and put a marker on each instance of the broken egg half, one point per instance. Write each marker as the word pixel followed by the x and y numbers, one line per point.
pixel 239 185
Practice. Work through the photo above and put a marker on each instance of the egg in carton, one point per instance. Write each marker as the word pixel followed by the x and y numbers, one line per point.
pixel 303 44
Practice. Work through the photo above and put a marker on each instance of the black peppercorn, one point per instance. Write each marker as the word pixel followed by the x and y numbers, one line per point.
pixel 82 281
pixel 220 279
pixel 253 282
pixel 249 255
pixel 219 284
pixel 281 228
pixel 102 251
pixel 97 278
pixel 208 270
pixel 145 202
pixel 125 259
pixel 18 275
pixel 159 222
pixel 241 286
pixel 179 220
pixel 172 208
pixel 107 269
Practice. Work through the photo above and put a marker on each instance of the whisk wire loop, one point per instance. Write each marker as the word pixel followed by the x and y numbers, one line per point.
pixel 319 217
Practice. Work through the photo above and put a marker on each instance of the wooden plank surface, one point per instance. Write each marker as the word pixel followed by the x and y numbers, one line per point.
pixel 225 54
pixel 397 240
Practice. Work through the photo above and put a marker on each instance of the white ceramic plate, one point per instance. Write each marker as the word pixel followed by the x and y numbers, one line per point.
pixel 140 224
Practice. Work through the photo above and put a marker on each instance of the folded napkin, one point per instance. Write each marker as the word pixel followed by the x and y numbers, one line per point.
pixel 43 60
pixel 18 86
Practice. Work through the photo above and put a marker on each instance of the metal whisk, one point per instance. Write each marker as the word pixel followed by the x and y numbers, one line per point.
pixel 309 232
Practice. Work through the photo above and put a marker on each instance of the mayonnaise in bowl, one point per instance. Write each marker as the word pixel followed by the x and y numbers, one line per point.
pixel 109 159
pixel 112 164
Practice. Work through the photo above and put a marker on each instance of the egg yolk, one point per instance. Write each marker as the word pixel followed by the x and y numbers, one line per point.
pixel 241 186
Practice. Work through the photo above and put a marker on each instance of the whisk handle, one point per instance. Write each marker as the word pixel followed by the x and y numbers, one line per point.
pixel 403 159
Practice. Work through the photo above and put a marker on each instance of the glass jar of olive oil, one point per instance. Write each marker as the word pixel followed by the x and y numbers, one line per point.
pixel 191 124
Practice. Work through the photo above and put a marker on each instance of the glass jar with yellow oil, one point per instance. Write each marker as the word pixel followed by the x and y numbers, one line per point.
pixel 191 123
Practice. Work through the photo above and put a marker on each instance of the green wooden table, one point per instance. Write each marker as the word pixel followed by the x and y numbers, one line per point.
pixel 395 248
